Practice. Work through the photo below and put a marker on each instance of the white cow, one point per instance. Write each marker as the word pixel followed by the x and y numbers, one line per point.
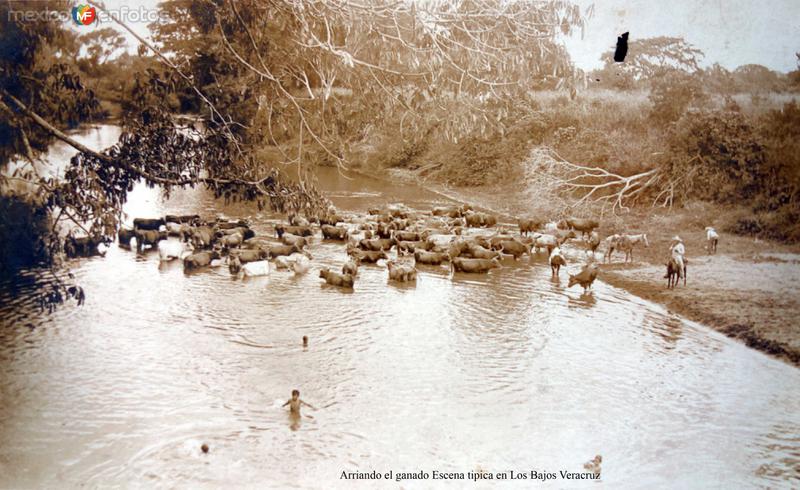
pixel 168 250
pixel 301 264
pixel 257 268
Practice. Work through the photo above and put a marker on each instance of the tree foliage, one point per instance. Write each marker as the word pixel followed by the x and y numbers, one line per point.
pixel 306 80
pixel 672 93
pixel 100 44
pixel 316 75
pixel 719 157
pixel 647 57
pixel 33 69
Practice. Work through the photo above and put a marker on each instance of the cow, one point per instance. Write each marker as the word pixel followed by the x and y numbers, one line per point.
pixel 585 277
pixel 198 260
pixel 330 232
pixel 459 264
pixel 148 238
pixel 336 279
pixel 528 225
pixel 148 224
pixel 581 224
pixel 430 258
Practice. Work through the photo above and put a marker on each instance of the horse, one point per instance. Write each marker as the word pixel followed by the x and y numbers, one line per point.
pixel 625 243
pixel 674 273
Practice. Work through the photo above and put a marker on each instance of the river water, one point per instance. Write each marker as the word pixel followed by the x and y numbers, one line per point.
pixel 498 372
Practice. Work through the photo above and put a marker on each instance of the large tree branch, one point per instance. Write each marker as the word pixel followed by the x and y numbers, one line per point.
pixel 44 124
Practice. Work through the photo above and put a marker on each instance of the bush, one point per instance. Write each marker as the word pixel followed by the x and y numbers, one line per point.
pixel 718 155
pixel 725 157
pixel 780 133
pixel 24 234
pixel 672 94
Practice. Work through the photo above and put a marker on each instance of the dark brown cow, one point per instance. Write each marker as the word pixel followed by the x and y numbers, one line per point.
pixel 583 225
pixel 529 225
pixel 295 230
pixel 248 255
pixel 148 224
pixel 368 257
pixel 401 272
pixel 351 267
pixel 182 218
pixel 199 259
pixel 277 250
pixel 330 232
pixel 148 237
pixel 377 244
pixel 515 248
pixel 411 247
pixel 124 235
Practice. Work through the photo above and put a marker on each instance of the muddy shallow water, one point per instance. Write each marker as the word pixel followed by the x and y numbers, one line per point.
pixel 505 371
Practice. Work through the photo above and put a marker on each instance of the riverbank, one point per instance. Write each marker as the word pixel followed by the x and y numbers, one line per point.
pixel 749 290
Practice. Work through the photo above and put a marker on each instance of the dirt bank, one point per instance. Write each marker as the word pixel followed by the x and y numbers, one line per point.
pixel 749 290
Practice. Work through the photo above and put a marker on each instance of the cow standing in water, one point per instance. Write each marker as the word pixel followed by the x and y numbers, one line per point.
pixel 556 261
pixel 585 277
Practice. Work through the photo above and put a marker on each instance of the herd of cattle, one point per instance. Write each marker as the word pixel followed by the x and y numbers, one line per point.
pixel 469 241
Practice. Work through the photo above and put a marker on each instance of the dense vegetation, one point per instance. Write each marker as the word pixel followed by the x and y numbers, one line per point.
pixel 671 134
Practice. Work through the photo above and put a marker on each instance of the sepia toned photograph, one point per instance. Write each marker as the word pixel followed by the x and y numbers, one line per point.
pixel 399 244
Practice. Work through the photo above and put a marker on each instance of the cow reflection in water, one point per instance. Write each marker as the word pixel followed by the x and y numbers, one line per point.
pixel 585 300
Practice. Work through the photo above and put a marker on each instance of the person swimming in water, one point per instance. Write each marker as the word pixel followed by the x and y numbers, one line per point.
pixel 295 402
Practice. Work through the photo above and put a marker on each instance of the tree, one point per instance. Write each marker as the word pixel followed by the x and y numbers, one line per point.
pixel 754 78
pixel 672 93
pixel 302 80
pixel 651 56
pixel 303 61
pixel 100 44
pixel 33 70
pixel 719 80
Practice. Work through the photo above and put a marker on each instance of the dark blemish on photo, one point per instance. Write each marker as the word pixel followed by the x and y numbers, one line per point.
pixel 204 448
pixel 622 48
pixel 305 341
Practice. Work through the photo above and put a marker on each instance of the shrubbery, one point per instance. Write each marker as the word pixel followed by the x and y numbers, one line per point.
pixel 719 153
pixel 23 234
pixel 672 93
pixel 715 151
pixel 729 158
